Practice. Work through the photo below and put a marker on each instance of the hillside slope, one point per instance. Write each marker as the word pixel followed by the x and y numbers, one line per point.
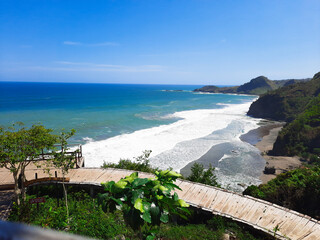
pixel 256 86
pixel 286 103
pixel 299 105
pixel 301 136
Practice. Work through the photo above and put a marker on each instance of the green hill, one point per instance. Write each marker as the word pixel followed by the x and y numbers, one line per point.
pixel 301 136
pixel 299 105
pixel 286 103
pixel 256 86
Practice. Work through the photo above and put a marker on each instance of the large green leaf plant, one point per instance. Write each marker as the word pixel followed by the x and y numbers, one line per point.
pixel 145 202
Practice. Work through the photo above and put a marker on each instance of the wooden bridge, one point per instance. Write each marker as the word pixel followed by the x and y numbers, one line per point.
pixel 257 213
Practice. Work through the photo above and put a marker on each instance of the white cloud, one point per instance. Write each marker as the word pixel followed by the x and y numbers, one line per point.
pixel 71 43
pixel 102 44
pixel 94 67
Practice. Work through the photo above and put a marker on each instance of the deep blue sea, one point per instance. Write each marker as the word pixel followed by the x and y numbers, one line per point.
pixel 100 111
pixel 116 121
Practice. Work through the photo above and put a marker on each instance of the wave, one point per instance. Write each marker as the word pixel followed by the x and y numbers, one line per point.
pixel 194 124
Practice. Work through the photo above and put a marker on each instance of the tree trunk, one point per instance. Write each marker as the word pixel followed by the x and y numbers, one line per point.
pixel 66 199
pixel 23 189
pixel 16 188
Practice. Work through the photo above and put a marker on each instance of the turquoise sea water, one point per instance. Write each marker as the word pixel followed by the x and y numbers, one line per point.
pixel 115 121
pixel 101 111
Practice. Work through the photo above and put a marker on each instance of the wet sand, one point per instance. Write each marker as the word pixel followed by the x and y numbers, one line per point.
pixel 281 163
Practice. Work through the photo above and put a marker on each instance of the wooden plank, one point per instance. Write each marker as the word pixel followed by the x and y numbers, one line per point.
pixel 246 208
pixel 237 203
pixel 185 186
pixel 269 217
pixel 306 230
pixel 219 201
pixel 105 176
pixel 315 234
pixel 198 194
pixel 91 174
pixel 208 198
pixel 293 221
pixel 273 217
pixel 187 192
pixel 303 222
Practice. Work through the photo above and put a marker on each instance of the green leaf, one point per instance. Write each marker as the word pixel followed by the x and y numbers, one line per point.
pixel 182 203
pixel 139 182
pixel 146 217
pixel 150 237
pixel 121 184
pixel 155 213
pixel 172 186
pixel 136 194
pixel 175 197
pixel 118 201
pixel 138 205
pixel 164 217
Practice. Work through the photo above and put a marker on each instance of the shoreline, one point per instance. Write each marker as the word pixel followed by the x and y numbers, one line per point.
pixel 269 133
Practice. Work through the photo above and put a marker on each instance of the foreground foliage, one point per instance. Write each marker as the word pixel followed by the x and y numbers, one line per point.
pixel 88 219
pixel 298 190
pixel 145 203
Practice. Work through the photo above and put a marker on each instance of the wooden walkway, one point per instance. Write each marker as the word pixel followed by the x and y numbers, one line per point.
pixel 257 213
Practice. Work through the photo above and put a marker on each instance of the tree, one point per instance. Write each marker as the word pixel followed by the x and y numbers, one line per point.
pixel 64 160
pixel 19 147
pixel 198 174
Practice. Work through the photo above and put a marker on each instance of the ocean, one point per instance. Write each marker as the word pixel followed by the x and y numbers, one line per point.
pixel 115 121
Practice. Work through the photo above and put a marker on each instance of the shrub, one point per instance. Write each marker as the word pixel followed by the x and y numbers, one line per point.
pixel 145 203
pixel 198 174
pixel 298 189
pixel 141 163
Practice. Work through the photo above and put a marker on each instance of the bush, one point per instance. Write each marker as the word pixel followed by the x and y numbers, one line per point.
pixel 145 203
pixel 298 189
pixel 141 163
pixel 198 174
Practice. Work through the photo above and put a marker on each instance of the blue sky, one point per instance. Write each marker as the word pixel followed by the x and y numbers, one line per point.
pixel 158 41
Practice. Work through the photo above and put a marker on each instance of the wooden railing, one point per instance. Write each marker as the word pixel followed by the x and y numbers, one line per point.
pixel 77 154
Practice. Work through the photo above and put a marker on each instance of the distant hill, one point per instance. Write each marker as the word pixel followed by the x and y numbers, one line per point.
pixel 256 86
pixel 299 105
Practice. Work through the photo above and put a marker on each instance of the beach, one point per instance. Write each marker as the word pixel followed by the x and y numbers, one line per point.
pixel 268 134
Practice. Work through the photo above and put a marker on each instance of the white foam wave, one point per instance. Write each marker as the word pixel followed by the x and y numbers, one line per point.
pixel 87 139
pixel 193 124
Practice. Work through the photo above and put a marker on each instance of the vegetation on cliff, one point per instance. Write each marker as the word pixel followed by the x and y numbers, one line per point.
pixel 301 136
pixel 256 86
pixel 287 103
pixel 299 105
pixel 298 190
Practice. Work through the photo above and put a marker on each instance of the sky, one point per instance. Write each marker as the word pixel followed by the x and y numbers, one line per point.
pixel 197 42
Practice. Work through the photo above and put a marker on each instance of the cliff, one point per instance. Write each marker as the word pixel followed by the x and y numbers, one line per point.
pixel 299 105
pixel 286 103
